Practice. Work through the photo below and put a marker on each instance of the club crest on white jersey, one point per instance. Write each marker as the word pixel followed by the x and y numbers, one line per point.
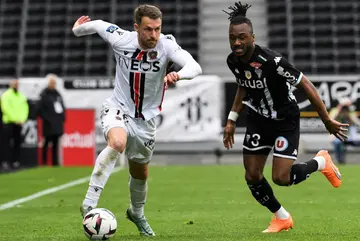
pixel 139 82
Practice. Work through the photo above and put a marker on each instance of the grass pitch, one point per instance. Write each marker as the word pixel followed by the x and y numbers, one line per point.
pixel 215 198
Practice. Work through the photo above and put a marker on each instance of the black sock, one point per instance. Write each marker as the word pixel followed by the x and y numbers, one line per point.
pixel 301 171
pixel 264 194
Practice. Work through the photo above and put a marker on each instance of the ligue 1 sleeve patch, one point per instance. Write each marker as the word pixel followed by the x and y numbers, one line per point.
pixel 112 28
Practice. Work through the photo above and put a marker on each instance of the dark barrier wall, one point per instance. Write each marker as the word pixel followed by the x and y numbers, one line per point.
pixel 180 18
pixel 28 155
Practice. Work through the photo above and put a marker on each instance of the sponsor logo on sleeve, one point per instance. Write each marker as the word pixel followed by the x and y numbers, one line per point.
pixel 281 71
pixel 277 60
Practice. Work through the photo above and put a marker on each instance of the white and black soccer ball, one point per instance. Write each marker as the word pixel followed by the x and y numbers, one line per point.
pixel 99 224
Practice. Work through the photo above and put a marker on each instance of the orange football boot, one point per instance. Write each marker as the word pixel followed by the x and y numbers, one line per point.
pixel 331 172
pixel 277 225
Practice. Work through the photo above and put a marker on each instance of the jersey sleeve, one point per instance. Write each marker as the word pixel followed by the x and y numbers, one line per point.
pixel 286 71
pixel 230 65
pixel 111 33
pixel 233 69
pixel 172 48
pixel 190 68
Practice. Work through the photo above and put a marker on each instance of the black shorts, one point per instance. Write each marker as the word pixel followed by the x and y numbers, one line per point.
pixel 263 134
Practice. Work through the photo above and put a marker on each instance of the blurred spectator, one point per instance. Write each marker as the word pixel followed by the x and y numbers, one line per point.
pixel 15 111
pixel 51 109
pixel 345 112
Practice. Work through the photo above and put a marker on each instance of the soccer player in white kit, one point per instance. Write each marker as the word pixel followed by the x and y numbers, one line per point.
pixel 128 116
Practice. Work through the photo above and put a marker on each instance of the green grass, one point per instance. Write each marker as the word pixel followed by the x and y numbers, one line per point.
pixel 215 198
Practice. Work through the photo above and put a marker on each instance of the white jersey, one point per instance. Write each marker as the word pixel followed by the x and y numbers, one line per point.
pixel 139 82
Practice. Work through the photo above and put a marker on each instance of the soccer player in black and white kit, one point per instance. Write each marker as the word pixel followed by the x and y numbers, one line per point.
pixel 128 115
pixel 264 80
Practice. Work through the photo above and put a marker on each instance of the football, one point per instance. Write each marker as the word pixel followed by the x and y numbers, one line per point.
pixel 99 224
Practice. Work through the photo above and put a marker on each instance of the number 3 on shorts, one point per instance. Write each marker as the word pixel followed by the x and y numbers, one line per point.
pixel 255 139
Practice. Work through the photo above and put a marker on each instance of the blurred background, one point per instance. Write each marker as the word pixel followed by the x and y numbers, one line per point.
pixel 320 37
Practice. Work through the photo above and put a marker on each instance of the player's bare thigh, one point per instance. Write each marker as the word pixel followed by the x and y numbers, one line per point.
pixel 281 169
pixel 254 167
pixel 117 138
pixel 138 170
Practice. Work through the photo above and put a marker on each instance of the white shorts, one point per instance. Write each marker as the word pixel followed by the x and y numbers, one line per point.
pixel 140 133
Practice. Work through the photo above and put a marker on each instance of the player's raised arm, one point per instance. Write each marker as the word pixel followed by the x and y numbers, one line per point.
pixel 190 68
pixel 296 78
pixel 85 26
pixel 334 127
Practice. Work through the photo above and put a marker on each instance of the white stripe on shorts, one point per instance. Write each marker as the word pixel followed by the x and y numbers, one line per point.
pixel 285 156
pixel 256 148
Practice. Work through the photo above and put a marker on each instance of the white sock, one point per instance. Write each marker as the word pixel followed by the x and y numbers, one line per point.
pixel 104 166
pixel 138 193
pixel 282 213
pixel 321 162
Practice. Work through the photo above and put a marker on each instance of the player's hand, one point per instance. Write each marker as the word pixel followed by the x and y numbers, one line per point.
pixel 171 78
pixel 229 132
pixel 337 129
pixel 81 20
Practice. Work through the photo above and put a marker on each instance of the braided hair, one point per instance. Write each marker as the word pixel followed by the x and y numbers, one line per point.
pixel 238 14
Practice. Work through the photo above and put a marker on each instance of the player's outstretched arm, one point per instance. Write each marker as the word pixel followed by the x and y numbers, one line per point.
pixel 334 127
pixel 85 26
pixel 189 67
pixel 237 107
pixel 81 20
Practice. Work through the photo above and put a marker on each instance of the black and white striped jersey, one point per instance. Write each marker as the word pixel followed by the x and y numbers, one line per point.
pixel 267 78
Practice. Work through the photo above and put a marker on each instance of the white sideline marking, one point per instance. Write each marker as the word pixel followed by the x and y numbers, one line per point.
pixel 48 191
